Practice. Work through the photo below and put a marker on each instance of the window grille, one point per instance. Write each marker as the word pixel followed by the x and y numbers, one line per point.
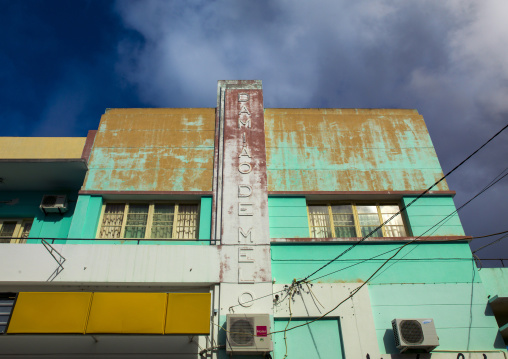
pixel 349 220
pixel 150 221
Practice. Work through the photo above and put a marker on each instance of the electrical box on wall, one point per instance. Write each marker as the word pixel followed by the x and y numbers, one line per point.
pixel 415 334
pixel 54 204
pixel 248 334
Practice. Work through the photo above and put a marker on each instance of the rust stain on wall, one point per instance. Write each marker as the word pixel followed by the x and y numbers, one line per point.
pixel 153 150
pixel 349 150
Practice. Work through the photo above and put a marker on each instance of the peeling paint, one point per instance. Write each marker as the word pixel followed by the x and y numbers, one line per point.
pixel 349 150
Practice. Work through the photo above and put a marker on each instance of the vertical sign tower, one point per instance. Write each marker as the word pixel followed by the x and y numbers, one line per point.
pixel 241 198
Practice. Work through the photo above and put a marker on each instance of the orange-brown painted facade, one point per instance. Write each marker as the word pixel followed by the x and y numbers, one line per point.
pixel 153 150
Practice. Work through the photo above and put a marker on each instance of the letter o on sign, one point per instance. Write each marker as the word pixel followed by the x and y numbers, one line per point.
pixel 244 168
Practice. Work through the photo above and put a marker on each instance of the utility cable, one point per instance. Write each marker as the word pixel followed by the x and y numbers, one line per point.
pixel 438 224
pixel 491 243
pixel 493 182
pixel 497 179
pixel 406 206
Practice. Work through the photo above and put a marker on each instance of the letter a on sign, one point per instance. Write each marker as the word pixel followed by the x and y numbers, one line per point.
pixel 244 110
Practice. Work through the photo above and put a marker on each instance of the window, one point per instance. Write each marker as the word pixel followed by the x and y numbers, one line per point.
pixel 150 221
pixel 14 230
pixel 347 220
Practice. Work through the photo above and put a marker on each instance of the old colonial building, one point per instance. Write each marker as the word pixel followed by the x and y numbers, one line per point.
pixel 218 232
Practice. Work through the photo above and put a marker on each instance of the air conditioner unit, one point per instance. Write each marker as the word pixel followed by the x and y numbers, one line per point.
pixel 415 334
pixel 54 204
pixel 248 334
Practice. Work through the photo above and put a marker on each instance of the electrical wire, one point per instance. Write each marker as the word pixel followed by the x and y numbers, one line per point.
pixel 406 206
pixel 491 243
pixel 291 293
pixel 489 235
pixel 440 223
pixel 493 182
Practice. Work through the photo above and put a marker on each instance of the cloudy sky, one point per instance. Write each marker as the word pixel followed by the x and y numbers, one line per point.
pixel 62 63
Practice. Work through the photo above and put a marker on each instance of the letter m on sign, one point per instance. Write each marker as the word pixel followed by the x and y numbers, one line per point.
pixel 244 122
pixel 244 237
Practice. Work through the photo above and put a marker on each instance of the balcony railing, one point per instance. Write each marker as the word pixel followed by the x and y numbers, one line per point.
pixel 22 240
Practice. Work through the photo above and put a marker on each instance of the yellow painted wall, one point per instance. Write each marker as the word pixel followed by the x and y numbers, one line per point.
pixel 349 150
pixel 153 150
pixel 41 147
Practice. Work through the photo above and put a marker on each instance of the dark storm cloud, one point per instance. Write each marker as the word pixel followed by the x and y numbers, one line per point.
pixel 63 63
pixel 445 59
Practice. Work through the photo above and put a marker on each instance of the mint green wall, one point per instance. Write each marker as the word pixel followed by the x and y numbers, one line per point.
pixel 86 217
pixel 416 263
pixel 495 281
pixel 205 218
pixel 434 280
pixel 349 150
pixel 428 211
pixel 26 205
pixel 321 339
pixel 462 318
pixel 288 217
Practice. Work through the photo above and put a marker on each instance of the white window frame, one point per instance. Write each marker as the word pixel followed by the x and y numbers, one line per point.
pixel 354 204
pixel 18 230
pixel 149 223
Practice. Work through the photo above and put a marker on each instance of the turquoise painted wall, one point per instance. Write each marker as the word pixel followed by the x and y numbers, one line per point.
pixel 26 205
pixel 416 263
pixel 428 211
pixel 86 217
pixel 349 150
pixel 495 281
pixel 460 312
pixel 435 280
pixel 288 217
pixel 319 340
pixel 205 218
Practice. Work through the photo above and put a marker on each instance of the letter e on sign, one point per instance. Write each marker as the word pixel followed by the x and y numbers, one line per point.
pixel 245 209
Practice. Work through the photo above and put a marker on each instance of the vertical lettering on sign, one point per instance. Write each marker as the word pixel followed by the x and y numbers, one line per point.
pixel 245 255
pixel 243 97
pixel 246 209
pixel 245 152
pixel 244 168
pixel 244 190
pixel 245 237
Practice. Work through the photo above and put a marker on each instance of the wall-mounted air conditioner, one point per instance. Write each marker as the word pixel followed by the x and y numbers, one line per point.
pixel 53 203
pixel 415 334
pixel 248 334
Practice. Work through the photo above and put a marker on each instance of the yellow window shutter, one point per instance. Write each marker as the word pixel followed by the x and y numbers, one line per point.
pixel 50 312
pixel 127 313
pixel 188 313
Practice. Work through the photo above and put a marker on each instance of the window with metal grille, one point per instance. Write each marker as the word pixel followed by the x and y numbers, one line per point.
pixel 6 304
pixel 14 230
pixel 152 220
pixel 348 220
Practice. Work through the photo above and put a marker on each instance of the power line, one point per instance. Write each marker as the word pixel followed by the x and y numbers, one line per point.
pixel 440 223
pixel 406 206
pixel 398 250
pixel 491 243
pixel 489 235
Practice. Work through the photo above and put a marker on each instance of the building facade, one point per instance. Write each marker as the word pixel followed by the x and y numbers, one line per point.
pixel 163 226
